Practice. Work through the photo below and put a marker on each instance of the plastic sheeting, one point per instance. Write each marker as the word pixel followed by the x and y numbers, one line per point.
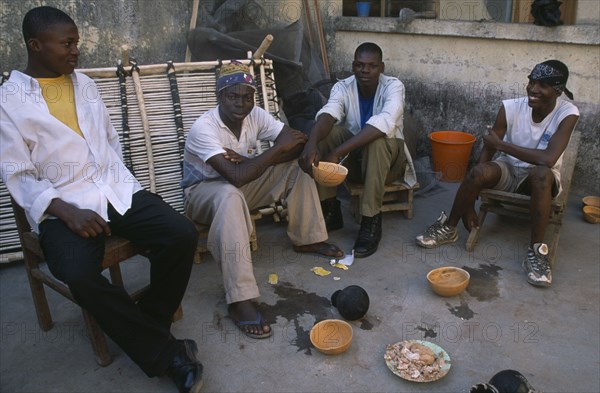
pixel 229 29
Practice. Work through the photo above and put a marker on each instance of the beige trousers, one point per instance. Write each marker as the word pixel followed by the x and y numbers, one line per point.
pixel 375 165
pixel 226 209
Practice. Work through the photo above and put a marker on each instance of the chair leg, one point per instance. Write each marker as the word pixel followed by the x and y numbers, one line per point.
pixel 116 278
pixel 97 339
pixel 474 234
pixel 178 314
pixel 555 234
pixel 355 207
pixel 408 198
pixel 38 293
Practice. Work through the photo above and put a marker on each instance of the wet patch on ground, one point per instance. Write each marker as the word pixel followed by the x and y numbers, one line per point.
pixel 484 282
pixel 365 324
pixel 427 332
pixel 292 304
pixel 462 311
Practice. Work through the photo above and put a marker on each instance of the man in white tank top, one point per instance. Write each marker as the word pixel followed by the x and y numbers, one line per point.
pixel 530 134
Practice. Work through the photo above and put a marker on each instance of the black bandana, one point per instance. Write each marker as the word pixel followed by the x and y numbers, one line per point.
pixel 552 73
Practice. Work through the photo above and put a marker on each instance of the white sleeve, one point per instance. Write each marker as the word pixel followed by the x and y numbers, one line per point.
pixel 336 104
pixel 392 112
pixel 268 127
pixel 20 174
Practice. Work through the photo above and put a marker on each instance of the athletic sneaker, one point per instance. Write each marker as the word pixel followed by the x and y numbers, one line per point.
pixel 537 265
pixel 438 233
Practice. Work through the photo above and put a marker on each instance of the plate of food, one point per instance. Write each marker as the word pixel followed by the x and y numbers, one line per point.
pixel 417 360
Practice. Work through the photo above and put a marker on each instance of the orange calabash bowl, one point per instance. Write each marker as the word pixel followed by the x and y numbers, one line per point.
pixel 331 336
pixel 448 280
pixel 329 174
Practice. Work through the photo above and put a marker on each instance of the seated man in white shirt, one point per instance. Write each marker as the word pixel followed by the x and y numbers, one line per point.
pixel 224 179
pixel 62 162
pixel 531 134
pixel 363 120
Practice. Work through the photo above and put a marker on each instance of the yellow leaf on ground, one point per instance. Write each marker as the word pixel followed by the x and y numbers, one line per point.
pixel 319 271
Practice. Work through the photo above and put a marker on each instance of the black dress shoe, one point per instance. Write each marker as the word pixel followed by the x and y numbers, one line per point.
pixel 332 213
pixel 369 236
pixel 185 369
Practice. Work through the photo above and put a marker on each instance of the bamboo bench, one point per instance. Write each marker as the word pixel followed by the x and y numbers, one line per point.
pixel 151 107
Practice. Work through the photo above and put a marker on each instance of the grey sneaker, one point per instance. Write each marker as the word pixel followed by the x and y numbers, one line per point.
pixel 537 265
pixel 438 233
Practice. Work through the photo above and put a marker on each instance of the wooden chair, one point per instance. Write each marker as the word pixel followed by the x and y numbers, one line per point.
pixel 116 251
pixel 517 205
pixel 397 197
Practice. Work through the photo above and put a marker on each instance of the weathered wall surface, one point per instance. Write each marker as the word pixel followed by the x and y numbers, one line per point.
pixel 154 30
pixel 455 82
pixel 455 74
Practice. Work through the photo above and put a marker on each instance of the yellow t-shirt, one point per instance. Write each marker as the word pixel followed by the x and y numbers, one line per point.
pixel 60 98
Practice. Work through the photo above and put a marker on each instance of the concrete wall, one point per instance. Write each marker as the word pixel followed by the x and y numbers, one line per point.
pixel 457 72
pixel 154 30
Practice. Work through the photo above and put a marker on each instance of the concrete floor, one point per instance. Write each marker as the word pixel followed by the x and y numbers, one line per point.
pixel 550 335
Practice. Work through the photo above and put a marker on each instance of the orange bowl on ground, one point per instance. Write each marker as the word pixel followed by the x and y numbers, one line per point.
pixel 448 280
pixel 591 214
pixel 331 336
pixel 591 201
pixel 329 174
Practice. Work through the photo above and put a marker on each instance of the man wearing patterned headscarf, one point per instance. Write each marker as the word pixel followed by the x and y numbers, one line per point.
pixel 530 134
pixel 225 178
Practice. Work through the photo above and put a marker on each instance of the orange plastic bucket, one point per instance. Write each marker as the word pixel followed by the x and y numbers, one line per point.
pixel 451 151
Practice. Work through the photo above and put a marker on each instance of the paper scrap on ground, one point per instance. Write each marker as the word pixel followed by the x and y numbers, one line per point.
pixel 273 279
pixel 319 271
pixel 336 278
pixel 348 260
pixel 340 266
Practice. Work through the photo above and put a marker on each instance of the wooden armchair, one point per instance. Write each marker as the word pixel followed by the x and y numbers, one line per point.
pixel 517 205
pixel 116 251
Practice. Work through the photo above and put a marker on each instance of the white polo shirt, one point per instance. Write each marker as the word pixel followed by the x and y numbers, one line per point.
pixel 209 136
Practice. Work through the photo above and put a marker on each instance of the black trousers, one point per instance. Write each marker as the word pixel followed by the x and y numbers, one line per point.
pixel 142 330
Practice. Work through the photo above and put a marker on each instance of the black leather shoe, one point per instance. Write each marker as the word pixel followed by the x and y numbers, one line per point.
pixel 185 369
pixel 369 236
pixel 332 213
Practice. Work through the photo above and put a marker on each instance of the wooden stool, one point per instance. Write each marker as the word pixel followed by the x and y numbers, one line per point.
pixel 397 197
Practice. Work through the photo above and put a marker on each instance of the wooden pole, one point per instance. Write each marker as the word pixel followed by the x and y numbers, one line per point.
pixel 154 69
pixel 146 126
pixel 308 21
pixel 321 38
pixel 193 21
pixel 263 47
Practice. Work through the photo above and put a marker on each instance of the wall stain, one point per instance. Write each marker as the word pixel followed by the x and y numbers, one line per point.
pixel 292 304
pixel 463 311
pixel 484 282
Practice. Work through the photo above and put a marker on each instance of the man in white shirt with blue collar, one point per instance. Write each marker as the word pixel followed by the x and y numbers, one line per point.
pixel 62 162
pixel 363 119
